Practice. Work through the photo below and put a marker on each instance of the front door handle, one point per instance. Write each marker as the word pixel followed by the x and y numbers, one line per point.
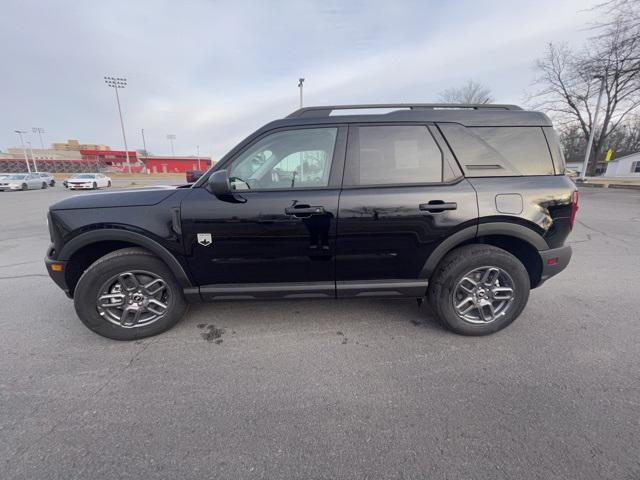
pixel 435 206
pixel 303 211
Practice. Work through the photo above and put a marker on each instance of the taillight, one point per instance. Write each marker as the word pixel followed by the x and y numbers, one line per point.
pixel 574 208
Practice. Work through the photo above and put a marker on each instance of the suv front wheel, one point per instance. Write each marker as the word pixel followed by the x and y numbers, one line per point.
pixel 479 289
pixel 129 294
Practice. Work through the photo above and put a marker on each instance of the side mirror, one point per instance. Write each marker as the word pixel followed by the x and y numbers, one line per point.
pixel 218 184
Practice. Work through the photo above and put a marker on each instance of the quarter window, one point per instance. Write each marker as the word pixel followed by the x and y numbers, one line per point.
pixel 499 151
pixel 635 167
pixel 287 159
pixel 380 155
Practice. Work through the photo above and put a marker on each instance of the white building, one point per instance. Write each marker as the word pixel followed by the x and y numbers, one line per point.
pixel 628 166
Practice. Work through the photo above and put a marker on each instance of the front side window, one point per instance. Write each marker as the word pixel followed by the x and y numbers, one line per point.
pixel 402 154
pixel 287 159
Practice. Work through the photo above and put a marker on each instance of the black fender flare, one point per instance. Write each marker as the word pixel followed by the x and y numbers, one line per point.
pixel 492 228
pixel 112 234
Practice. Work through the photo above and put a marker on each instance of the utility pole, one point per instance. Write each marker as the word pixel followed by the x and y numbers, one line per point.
pixel 39 131
pixel 144 143
pixel 300 86
pixel 33 158
pixel 116 83
pixel 587 154
pixel 171 137
pixel 198 156
pixel 24 150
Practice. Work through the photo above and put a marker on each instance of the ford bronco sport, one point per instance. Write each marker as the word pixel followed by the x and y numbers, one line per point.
pixel 464 205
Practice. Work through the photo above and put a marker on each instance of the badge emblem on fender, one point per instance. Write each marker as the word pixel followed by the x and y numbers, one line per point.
pixel 204 239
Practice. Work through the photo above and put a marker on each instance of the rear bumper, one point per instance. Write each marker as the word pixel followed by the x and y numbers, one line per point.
pixel 58 276
pixel 554 261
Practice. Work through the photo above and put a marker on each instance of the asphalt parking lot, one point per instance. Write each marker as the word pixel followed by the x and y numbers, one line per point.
pixel 314 389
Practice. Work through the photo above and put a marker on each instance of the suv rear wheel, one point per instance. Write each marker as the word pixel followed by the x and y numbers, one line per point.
pixel 479 289
pixel 129 294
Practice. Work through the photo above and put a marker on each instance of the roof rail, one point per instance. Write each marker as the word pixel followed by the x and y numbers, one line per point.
pixel 325 111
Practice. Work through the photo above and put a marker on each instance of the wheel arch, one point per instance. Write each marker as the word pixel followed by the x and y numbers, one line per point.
pixel 520 241
pixel 83 250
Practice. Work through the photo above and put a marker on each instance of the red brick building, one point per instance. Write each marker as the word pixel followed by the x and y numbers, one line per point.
pixel 117 160
pixel 170 164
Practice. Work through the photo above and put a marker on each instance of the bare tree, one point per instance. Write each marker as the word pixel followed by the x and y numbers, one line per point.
pixel 569 84
pixel 470 92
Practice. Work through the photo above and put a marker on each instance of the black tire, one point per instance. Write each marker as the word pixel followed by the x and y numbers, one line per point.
pixel 53 183
pixel 459 263
pixel 109 183
pixel 44 185
pixel 113 264
pixel 25 187
pixel 95 186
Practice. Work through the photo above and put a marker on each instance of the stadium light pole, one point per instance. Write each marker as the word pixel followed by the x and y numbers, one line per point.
pixel 33 158
pixel 144 142
pixel 587 154
pixel 171 137
pixel 300 86
pixel 39 131
pixel 116 83
pixel 24 149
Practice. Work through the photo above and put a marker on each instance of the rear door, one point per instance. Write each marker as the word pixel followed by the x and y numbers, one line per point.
pixel 403 194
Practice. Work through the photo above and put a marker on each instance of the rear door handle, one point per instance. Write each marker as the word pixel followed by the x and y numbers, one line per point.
pixel 435 206
pixel 304 211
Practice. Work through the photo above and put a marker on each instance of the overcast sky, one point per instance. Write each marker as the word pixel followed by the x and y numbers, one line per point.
pixel 211 72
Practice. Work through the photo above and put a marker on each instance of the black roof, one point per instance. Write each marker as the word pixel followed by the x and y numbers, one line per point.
pixel 465 114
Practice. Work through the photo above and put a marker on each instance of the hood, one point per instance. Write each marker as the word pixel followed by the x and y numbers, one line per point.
pixel 122 198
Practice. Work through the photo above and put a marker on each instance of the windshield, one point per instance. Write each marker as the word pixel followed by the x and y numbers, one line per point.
pixel 83 175
pixel 17 177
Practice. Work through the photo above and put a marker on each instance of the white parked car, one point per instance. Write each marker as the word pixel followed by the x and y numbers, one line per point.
pixel 87 181
pixel 23 181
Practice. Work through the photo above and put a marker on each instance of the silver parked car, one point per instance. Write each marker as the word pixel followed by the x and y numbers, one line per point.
pixel 47 177
pixel 23 181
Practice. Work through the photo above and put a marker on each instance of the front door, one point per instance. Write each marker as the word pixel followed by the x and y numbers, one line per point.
pixel 403 195
pixel 279 238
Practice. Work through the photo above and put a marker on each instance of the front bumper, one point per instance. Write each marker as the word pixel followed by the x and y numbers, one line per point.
pixel 554 261
pixel 80 186
pixel 57 275
pixel 10 187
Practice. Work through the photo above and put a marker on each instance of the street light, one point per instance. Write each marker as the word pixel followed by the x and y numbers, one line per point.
pixel 587 154
pixel 39 131
pixel 300 86
pixel 117 83
pixel 198 155
pixel 171 137
pixel 33 158
pixel 24 150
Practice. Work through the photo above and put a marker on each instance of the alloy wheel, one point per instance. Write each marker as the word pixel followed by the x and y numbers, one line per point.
pixel 133 299
pixel 483 295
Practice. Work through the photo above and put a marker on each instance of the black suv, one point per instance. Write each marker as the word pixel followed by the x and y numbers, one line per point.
pixel 466 205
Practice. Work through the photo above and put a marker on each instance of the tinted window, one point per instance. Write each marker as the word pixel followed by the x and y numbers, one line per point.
pixel 499 151
pixel 287 159
pixel 381 155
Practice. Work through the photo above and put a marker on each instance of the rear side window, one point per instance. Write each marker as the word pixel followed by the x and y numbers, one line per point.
pixel 499 151
pixel 380 155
